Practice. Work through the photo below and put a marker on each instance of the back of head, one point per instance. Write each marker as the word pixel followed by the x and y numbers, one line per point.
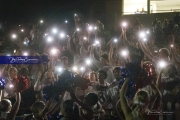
pixel 103 72
pixel 37 107
pixel 24 72
pixel 70 109
pixel 91 99
pixel 104 56
pixel 5 105
pixel 142 97
pixel 165 51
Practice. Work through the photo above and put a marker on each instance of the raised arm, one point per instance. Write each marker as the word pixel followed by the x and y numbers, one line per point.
pixel 38 86
pixel 110 56
pixel 95 62
pixel 79 102
pixel 69 46
pixel 124 104
pixel 157 102
pixel 57 106
pixel 124 38
pixel 83 51
pixel 42 113
pixel 147 53
pixel 158 81
pixel 15 108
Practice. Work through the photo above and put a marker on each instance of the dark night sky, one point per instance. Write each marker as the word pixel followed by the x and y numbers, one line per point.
pixel 32 10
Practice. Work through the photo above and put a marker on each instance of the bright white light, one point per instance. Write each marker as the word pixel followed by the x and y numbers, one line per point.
pixel 53 51
pixel 142 34
pixel 11 85
pixel 22 30
pixel 62 35
pixel 115 40
pixel 95 28
pixel 74 68
pixel 97 42
pixel 41 21
pixel 90 28
pixel 162 64
pixel 24 43
pixel 82 68
pixel 155 51
pixel 124 24
pixel 124 53
pixel 19 25
pixel 14 51
pixel 75 14
pixel 144 39
pixel 88 61
pixel 147 32
pixel 66 21
pixel 78 29
pixel 49 39
pixel 60 69
pixel 25 54
pixel 54 30
pixel 85 38
pixel 45 34
pixel 172 45
pixel 14 36
pixel 8 55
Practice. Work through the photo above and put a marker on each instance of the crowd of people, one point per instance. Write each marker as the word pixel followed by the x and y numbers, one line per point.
pixel 129 77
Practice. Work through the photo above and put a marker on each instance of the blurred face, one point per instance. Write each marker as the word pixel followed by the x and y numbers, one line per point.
pixel 55 57
pixel 64 62
pixel 76 40
pixel 78 49
pixel 49 76
pixel 117 74
pixel 121 62
pixel 101 78
pixel 12 73
pixel 162 54
pixel 143 99
pixel 92 77
pixel 103 61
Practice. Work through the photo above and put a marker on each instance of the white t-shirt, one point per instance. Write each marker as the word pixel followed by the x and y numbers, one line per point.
pixel 114 92
pixel 103 94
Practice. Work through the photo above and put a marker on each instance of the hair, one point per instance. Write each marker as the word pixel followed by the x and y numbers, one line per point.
pixel 37 106
pixel 116 68
pixel 64 57
pixel 142 95
pixel 4 105
pixel 45 58
pixel 24 72
pixel 103 72
pixel 81 61
pixel 13 68
pixel 105 56
pixel 70 108
pixel 92 98
pixel 165 51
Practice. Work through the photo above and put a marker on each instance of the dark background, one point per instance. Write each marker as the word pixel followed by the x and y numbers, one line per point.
pixel 25 11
